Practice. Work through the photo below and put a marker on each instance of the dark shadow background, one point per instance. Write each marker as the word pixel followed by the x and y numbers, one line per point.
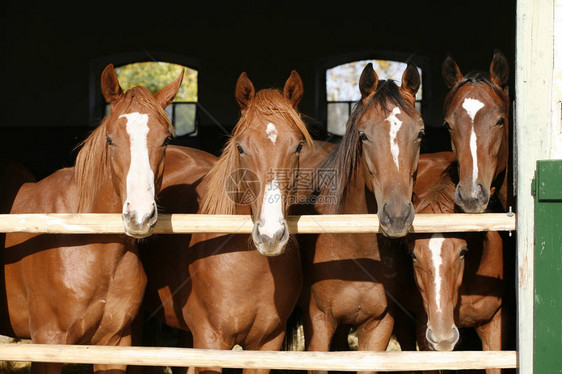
pixel 52 57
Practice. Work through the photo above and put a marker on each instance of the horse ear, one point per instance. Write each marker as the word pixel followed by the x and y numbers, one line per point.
pixel 293 89
pixel 166 95
pixel 411 79
pixel 110 85
pixel 369 81
pixel 244 91
pixel 499 69
pixel 450 71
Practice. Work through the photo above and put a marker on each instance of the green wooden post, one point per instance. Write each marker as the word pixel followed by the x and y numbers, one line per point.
pixel 547 188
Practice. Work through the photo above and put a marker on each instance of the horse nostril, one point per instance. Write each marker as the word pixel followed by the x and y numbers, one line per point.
pixel 280 233
pixel 429 336
pixel 127 209
pixel 152 215
pixel 456 335
pixel 408 212
pixel 482 192
pixel 385 214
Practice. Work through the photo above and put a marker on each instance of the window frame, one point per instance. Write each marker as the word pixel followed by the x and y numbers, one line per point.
pixel 321 102
pixel 96 100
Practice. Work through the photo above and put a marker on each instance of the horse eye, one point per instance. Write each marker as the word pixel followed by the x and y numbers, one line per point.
pixel 413 255
pixel 421 135
pixel 240 149
pixel 446 124
pixel 463 253
pixel 109 141
pixel 363 136
pixel 501 121
pixel 299 147
pixel 167 141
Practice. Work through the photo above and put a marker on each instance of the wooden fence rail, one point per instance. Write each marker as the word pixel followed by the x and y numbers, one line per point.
pixel 342 361
pixel 197 223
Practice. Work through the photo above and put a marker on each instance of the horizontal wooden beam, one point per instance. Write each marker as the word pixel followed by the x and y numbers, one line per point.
pixel 62 223
pixel 184 357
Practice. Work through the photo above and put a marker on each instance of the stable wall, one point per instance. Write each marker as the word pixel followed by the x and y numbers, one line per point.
pixel 50 56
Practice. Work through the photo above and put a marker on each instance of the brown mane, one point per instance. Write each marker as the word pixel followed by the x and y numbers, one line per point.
pixel 268 103
pixel 91 167
pixel 440 197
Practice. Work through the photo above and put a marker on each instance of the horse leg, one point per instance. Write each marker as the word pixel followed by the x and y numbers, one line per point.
pixel 123 340
pixel 274 344
pixel 48 337
pixel 208 338
pixel 319 329
pixel 491 334
pixel 374 335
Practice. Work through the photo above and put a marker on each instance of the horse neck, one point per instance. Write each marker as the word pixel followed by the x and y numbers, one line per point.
pixel 106 199
pixel 484 260
pixel 357 199
pixel 354 199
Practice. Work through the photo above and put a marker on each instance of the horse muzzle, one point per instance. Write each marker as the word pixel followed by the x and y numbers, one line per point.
pixel 396 219
pixel 139 224
pixel 442 341
pixel 476 201
pixel 271 244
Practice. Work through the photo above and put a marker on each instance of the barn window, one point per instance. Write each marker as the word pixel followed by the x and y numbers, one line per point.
pixel 155 75
pixel 342 90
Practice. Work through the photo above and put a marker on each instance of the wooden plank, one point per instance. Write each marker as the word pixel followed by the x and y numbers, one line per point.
pixel 198 223
pixel 343 361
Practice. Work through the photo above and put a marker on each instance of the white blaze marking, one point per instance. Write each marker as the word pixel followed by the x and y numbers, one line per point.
pixel 140 178
pixel 472 106
pixel 395 125
pixel 435 246
pixel 271 217
pixel 271 132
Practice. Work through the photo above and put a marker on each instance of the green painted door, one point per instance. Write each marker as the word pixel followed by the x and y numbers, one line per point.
pixel 548 267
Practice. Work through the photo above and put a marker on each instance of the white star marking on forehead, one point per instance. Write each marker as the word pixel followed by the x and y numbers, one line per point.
pixel 271 132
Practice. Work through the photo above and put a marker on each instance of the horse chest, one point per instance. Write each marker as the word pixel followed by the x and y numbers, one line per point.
pixel 351 302
pixel 240 289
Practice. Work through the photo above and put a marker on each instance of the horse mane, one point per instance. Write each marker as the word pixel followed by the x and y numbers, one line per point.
pixel 268 103
pixel 475 77
pixel 440 196
pixel 91 167
pixel 345 157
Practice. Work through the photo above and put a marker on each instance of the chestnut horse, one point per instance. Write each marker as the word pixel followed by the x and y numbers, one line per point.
pixel 477 114
pixel 86 289
pixel 348 276
pixel 459 275
pixel 239 288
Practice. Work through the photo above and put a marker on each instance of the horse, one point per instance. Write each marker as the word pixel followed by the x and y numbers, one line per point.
pixel 458 275
pixel 347 277
pixel 86 289
pixel 236 289
pixel 476 111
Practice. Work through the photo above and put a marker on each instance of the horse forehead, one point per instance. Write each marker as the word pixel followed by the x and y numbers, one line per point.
pixel 395 116
pixel 272 131
pixel 474 98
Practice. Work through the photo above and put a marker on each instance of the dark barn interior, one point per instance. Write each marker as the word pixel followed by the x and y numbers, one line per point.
pixel 52 58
